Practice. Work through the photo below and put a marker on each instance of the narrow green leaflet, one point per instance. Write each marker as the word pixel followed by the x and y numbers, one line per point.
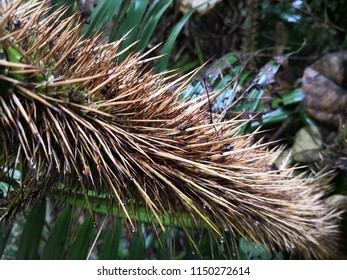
pixel 150 21
pixel 137 247
pixel 132 22
pixel 118 20
pixel 109 248
pixel 293 97
pixel 69 3
pixel 101 15
pixel 80 246
pixel 164 61
pixel 273 117
pixel 163 252
pixel 57 239
pixel 32 234
pixel 289 98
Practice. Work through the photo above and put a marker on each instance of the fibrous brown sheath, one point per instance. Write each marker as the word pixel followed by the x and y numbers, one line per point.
pixel 71 113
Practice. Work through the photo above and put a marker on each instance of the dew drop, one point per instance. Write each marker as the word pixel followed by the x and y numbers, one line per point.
pixel 222 239
pixel 131 178
pixel 257 223
pixel 67 168
pixel 124 202
pixel 95 225
pixel 134 230
pixel 292 246
pixel 193 252
pixel 79 178
pixel 226 228
pixel 169 212
pixel 33 164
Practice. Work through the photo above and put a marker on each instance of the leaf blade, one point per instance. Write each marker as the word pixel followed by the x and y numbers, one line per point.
pixel 32 234
pixel 55 244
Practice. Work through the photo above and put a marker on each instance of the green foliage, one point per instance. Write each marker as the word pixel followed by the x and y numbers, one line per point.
pixel 146 24
pixel 81 241
pixel 5 232
pixel 252 251
pixel 137 247
pixel 318 24
pixel 57 239
pixel 68 239
pixel 101 15
pixel 32 234
pixel 110 247
pixel 243 92
pixel 167 48
pixel 135 21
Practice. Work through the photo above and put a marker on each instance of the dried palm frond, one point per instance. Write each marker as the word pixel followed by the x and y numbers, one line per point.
pixel 73 119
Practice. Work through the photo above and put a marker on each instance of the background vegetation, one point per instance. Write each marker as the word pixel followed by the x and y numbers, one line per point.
pixel 257 50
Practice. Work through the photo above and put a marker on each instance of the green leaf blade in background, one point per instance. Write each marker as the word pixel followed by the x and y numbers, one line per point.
pixel 137 250
pixel 109 249
pixel 5 232
pixel 150 21
pixel 132 22
pixel 80 246
pixel 32 234
pixel 167 48
pixel 100 16
pixel 72 4
pixel 57 239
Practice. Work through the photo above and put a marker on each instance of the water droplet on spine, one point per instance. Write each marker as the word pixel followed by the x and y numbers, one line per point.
pixel 33 164
pixel 67 168
pixel 134 230
pixel 222 239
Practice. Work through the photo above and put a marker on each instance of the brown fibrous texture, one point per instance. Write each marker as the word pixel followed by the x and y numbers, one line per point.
pixel 72 113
